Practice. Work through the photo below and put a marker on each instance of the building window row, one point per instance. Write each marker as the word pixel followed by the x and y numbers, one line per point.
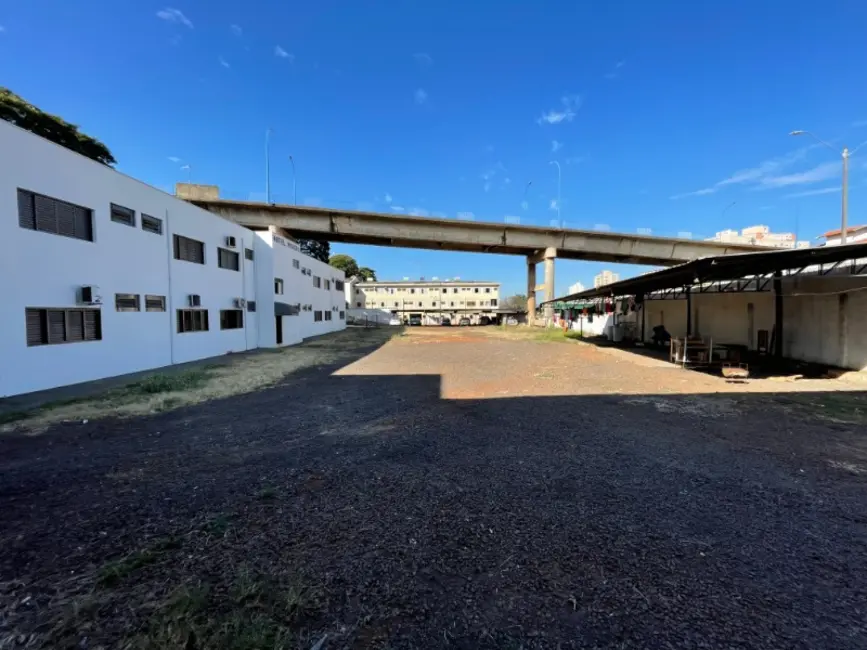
pixel 46 214
pixel 132 302
pixel 227 259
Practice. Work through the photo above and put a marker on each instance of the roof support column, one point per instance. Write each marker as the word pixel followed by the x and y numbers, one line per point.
pixel 778 314
pixel 531 290
pixel 550 256
pixel 688 311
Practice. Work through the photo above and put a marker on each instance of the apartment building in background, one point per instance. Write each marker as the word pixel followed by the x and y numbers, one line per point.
pixel 759 236
pixel 432 300
pixel 576 288
pixel 106 275
pixel 853 234
pixel 605 277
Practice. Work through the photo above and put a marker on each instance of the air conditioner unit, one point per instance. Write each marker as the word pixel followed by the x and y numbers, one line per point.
pixel 90 295
pixel 240 303
pixel 230 242
pixel 195 300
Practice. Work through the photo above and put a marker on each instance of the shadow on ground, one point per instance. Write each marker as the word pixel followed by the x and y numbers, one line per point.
pixel 371 510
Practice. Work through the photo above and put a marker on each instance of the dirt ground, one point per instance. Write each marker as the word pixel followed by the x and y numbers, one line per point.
pixel 445 488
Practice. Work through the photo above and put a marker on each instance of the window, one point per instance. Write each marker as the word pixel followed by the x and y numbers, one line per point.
pixel 248 254
pixel 227 259
pixel 338 285
pixel 328 285
pixel 317 281
pixel 317 316
pixel 122 215
pixel 493 302
pixel 487 289
pixel 476 290
pixel 358 304
pixel 296 264
pixel 328 315
pixel 278 286
pixel 151 224
pixel 38 212
pixel 343 315
pixel 127 302
pixel 455 290
pixel 251 305
pixel 192 320
pixel 412 290
pixel 50 326
pixel 155 303
pixel 451 304
pixel 471 303
pixel 189 250
pixel 231 319
pixel 397 304
pixel 434 303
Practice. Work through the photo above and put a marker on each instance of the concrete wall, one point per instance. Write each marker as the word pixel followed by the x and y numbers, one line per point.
pixel 46 270
pixel 825 321
pixel 732 318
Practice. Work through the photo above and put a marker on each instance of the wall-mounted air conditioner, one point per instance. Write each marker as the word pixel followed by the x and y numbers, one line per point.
pixel 194 300
pixel 240 303
pixel 230 242
pixel 89 295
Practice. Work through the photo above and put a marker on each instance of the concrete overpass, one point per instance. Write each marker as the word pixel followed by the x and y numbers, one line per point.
pixel 535 243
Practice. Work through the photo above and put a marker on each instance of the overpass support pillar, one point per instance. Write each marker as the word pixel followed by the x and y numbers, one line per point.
pixel 550 256
pixel 531 290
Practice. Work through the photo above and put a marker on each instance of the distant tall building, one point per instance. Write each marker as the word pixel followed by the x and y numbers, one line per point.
pixel 576 288
pixel 759 236
pixel 606 277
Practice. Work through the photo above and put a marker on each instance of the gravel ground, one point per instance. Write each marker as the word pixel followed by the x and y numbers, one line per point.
pixel 449 489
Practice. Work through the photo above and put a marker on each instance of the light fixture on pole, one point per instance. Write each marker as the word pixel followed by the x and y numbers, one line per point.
pixel 844 186
pixel 559 185
pixel 294 190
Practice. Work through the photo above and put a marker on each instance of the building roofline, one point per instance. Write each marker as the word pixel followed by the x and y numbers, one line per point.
pixel 438 282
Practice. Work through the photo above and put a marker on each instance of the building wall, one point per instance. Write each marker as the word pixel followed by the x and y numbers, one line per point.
pixel 824 320
pixel 446 298
pixel 286 262
pixel 733 318
pixel 46 270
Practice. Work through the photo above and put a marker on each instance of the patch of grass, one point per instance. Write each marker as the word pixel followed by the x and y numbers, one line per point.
pixel 169 382
pixel 837 406
pixel 115 572
pixel 14 416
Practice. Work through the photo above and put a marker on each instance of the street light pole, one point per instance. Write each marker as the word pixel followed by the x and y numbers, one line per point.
pixel 294 191
pixel 559 185
pixel 844 186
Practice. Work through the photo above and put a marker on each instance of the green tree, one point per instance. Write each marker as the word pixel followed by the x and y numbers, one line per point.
pixel 318 250
pixel 345 263
pixel 518 301
pixel 21 113
pixel 367 274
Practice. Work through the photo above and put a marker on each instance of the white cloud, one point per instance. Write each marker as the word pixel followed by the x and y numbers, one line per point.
pixel 822 172
pixel 556 146
pixel 171 15
pixel 397 208
pixel 283 54
pixel 420 96
pixel 224 63
pixel 824 190
pixel 554 205
pixel 236 30
pixel 387 197
pixel 174 159
pixel 763 175
pixel 565 113
pixel 418 212
pixel 423 58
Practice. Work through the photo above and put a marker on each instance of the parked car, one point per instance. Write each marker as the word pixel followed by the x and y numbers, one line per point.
pixel 511 320
pixel 446 322
pixel 464 321
pixel 415 320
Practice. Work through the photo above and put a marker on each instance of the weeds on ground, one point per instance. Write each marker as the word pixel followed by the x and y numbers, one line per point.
pixel 169 390
pixel 847 407
pixel 543 334
pixel 115 572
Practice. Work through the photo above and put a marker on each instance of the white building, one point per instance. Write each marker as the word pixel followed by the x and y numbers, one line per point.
pixel 606 277
pixel 853 234
pixel 129 278
pixel 576 288
pixel 759 236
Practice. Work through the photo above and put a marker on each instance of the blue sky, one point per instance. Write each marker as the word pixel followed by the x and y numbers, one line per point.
pixel 661 115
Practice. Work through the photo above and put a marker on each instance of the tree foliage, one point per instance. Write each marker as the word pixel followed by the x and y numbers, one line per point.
pixel 318 250
pixel 367 274
pixel 518 301
pixel 345 263
pixel 20 112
